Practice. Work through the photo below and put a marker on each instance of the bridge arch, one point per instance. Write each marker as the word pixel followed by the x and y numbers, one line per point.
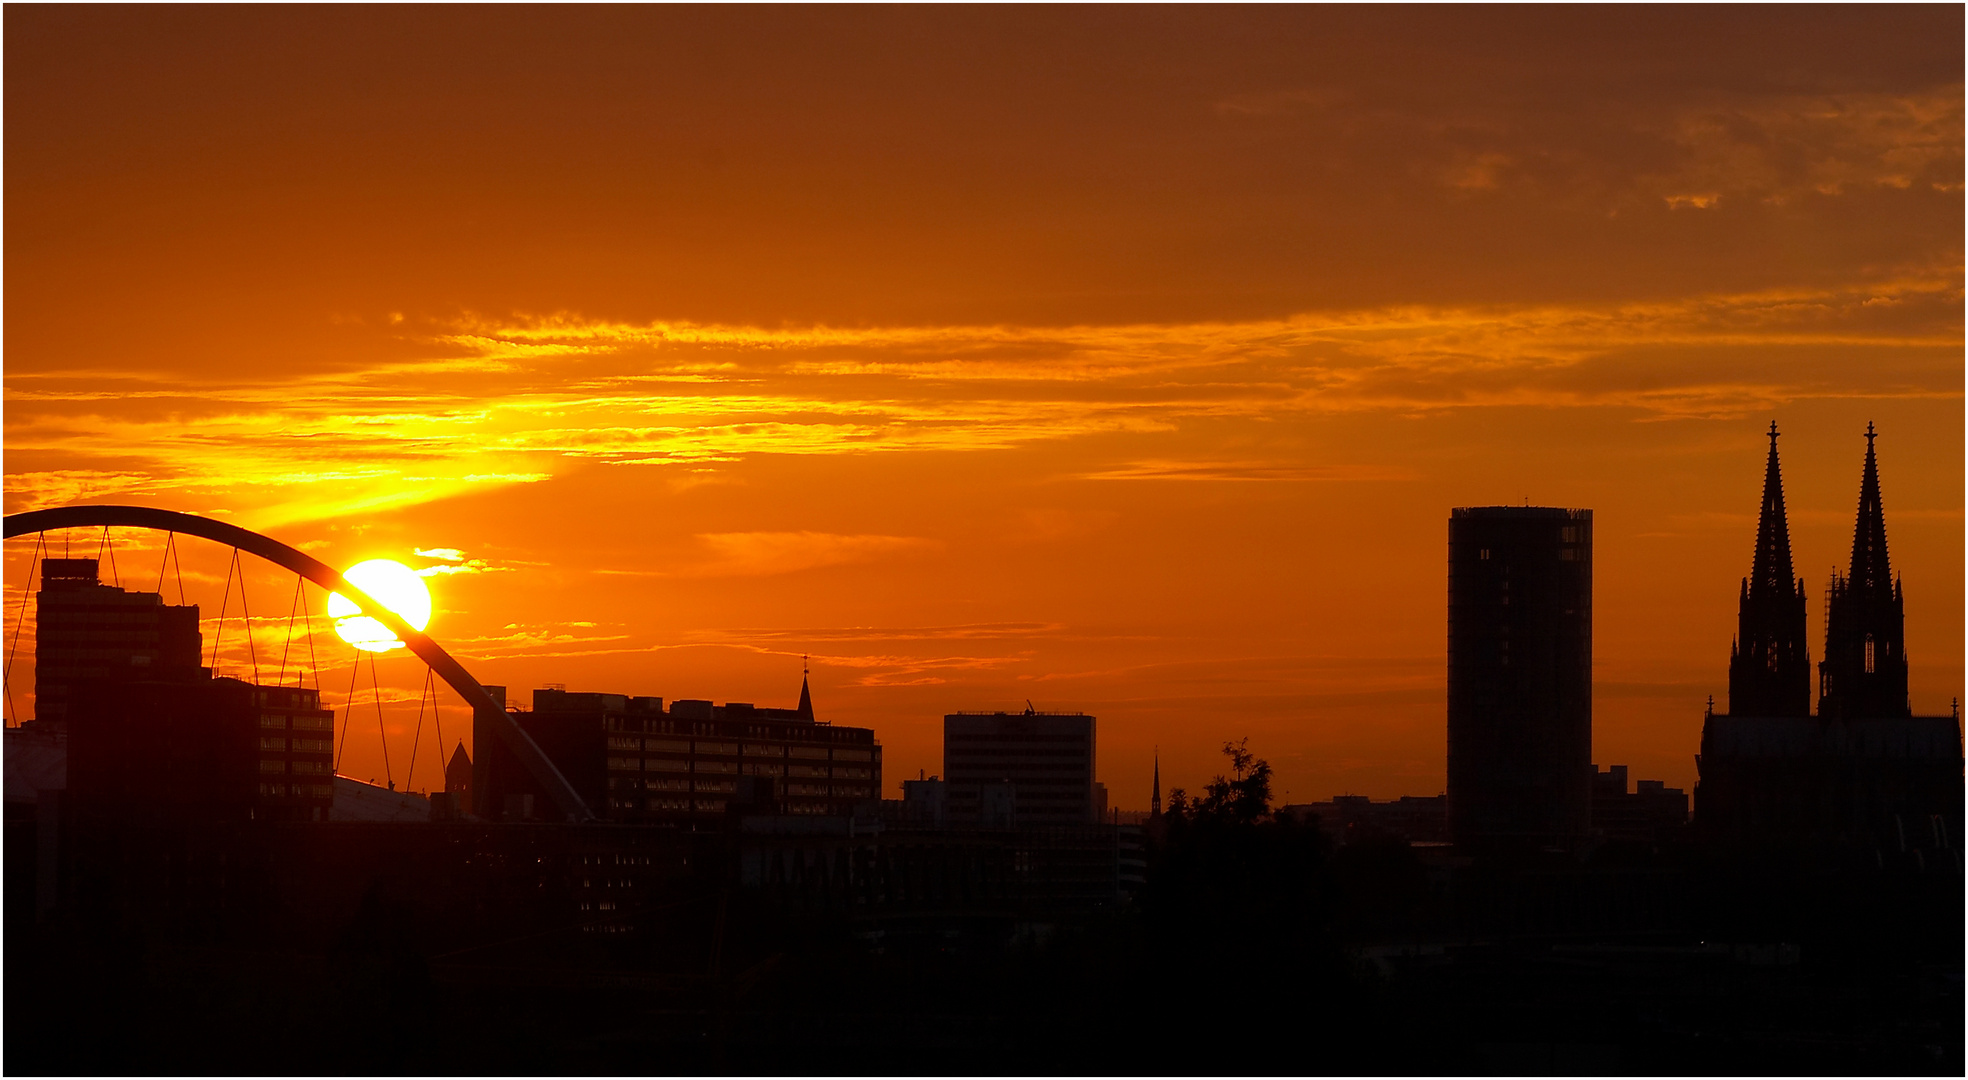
pixel 487 713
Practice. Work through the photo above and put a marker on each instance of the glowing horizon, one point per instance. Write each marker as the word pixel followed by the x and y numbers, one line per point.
pixel 1125 360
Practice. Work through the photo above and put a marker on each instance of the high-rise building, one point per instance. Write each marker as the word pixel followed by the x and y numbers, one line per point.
pixel 1020 769
pixel 150 733
pixel 86 631
pixel 1520 674
pixel 1770 662
pixel 1864 672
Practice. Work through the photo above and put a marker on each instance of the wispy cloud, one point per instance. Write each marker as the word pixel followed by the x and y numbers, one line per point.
pixel 682 394
pixel 761 553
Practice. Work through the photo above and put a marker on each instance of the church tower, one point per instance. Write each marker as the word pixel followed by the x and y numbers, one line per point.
pixel 805 708
pixel 1770 663
pixel 1864 673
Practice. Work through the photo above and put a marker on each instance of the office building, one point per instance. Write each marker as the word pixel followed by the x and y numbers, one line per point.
pixel 1020 770
pixel 1520 675
pixel 150 734
pixel 633 759
pixel 205 750
pixel 86 631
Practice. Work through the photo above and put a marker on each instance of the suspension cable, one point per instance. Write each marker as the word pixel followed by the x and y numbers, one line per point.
pixel 246 617
pixel 106 543
pixel 443 763
pixel 281 679
pixel 348 714
pixel 314 665
pixel 418 738
pixel 177 563
pixel 376 688
pixel 219 635
pixel 13 649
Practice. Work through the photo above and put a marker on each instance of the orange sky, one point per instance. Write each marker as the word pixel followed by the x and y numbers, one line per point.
pixel 1125 360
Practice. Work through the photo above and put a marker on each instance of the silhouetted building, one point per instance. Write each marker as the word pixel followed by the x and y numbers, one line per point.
pixel 86 631
pixel 1864 672
pixel 1520 674
pixel 1650 814
pixel 458 779
pixel 150 733
pixel 1864 776
pixel 1017 770
pixel 925 803
pixel 633 760
pixel 207 750
pixel 1770 663
pixel 1418 819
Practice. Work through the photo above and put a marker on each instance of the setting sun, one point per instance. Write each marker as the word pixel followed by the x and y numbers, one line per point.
pixel 397 586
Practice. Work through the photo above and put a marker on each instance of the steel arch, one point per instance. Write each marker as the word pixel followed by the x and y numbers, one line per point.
pixel 485 710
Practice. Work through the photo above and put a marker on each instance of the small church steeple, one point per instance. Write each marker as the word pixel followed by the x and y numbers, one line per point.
pixel 1155 796
pixel 1770 665
pixel 1864 673
pixel 806 692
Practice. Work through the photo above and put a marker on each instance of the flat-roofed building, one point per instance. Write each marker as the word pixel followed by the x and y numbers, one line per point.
pixel 633 759
pixel 1020 769
pixel 211 749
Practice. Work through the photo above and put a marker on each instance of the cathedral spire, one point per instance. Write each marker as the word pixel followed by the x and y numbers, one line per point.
pixel 1770 664
pixel 1155 797
pixel 1871 571
pixel 1864 673
pixel 1771 572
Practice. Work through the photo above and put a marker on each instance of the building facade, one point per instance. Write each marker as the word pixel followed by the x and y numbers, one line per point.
pixel 86 631
pixel 150 733
pixel 1020 770
pixel 632 759
pixel 1520 675
pixel 206 750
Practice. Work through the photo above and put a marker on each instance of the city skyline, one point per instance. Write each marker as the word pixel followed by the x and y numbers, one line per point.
pixel 954 391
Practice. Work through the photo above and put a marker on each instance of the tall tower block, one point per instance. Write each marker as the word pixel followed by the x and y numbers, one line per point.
pixel 1520 674
pixel 1770 663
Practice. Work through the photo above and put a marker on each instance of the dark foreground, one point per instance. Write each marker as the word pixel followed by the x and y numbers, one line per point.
pixel 1248 951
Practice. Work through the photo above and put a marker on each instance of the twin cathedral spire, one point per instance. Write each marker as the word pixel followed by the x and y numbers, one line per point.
pixel 1770 664
pixel 1864 672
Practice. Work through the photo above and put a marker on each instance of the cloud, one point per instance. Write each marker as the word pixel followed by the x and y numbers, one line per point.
pixel 469 566
pixel 1244 471
pixel 762 553
pixel 391 435
pixel 962 632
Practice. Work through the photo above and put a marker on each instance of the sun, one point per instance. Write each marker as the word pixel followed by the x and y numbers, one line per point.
pixel 396 587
